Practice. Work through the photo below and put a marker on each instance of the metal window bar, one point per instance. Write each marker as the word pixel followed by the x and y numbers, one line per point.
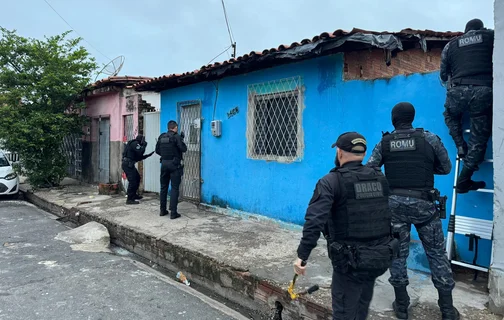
pixel 129 127
pixel 274 130
pixel 78 157
pixel 189 122
pixel 12 157
pixel 72 149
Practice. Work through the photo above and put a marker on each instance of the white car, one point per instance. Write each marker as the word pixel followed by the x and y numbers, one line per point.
pixel 9 180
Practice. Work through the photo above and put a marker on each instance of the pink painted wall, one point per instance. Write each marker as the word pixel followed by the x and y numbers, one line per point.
pixel 113 106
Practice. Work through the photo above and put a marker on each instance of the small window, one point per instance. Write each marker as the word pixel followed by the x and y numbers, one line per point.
pixel 274 130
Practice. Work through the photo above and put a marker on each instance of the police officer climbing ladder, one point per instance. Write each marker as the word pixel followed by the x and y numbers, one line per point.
pixel 350 207
pixel 467 62
pixel 411 158
pixel 170 146
pixel 134 152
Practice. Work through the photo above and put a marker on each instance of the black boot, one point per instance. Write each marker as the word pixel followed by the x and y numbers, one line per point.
pixel 401 302
pixel 163 212
pixel 129 201
pixel 445 303
pixel 465 184
pixel 174 215
pixel 137 197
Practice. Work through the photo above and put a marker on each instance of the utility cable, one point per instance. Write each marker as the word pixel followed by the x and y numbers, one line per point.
pixel 76 31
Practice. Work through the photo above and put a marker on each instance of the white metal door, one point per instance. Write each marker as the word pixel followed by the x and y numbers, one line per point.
pixel 151 166
pixel 104 150
pixel 190 124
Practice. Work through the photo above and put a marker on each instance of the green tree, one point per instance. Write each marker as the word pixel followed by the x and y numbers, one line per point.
pixel 40 83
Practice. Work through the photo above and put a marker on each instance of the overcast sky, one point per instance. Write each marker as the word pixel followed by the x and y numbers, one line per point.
pixel 173 36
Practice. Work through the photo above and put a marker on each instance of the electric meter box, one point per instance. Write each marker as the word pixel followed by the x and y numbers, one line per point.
pixel 216 126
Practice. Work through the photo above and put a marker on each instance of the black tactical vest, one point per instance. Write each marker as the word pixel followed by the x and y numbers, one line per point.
pixel 408 159
pixel 168 146
pixel 470 56
pixel 364 214
pixel 127 152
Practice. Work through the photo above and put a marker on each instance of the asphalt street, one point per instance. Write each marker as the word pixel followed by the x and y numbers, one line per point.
pixel 43 278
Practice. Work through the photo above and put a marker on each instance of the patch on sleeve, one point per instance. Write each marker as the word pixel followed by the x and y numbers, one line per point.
pixel 138 147
pixel 470 40
pixel 368 190
pixel 402 145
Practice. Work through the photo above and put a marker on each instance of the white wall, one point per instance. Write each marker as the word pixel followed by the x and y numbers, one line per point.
pixel 496 281
pixel 154 98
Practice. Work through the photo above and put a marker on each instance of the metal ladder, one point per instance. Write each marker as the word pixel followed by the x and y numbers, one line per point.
pixel 472 228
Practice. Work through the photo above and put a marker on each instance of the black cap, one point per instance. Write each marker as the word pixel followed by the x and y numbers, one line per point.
pixel 353 142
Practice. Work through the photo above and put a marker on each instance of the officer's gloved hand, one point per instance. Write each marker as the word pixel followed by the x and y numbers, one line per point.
pixel 148 155
pixel 182 135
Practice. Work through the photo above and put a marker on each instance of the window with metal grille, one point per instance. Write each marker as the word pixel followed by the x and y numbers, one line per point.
pixel 128 127
pixel 274 130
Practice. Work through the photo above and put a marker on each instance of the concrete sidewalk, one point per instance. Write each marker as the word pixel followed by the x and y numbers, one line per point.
pixel 247 260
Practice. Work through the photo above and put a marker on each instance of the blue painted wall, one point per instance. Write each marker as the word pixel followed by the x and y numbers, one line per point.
pixel 332 106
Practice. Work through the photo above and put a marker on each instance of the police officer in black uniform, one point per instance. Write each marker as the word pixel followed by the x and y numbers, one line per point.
pixel 170 147
pixel 350 207
pixel 468 61
pixel 134 152
pixel 412 157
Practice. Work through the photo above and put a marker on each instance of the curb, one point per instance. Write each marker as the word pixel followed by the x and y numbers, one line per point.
pixel 239 286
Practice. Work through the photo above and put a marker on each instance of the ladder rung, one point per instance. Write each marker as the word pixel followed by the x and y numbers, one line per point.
pixel 485 190
pixel 480 227
pixel 479 190
pixel 471 266
pixel 486 160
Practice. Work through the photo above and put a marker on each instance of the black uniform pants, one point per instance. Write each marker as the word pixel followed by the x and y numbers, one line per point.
pixel 477 101
pixel 172 172
pixel 352 293
pixel 133 178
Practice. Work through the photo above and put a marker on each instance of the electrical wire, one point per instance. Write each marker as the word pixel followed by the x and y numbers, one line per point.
pixel 216 84
pixel 230 32
pixel 76 30
pixel 220 54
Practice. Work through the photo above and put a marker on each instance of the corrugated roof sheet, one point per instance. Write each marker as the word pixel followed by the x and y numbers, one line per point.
pixel 191 76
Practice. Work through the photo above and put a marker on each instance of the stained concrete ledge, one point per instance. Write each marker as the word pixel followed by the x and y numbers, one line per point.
pixel 245 261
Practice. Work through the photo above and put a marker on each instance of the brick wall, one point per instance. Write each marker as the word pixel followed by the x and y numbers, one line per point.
pixel 368 65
